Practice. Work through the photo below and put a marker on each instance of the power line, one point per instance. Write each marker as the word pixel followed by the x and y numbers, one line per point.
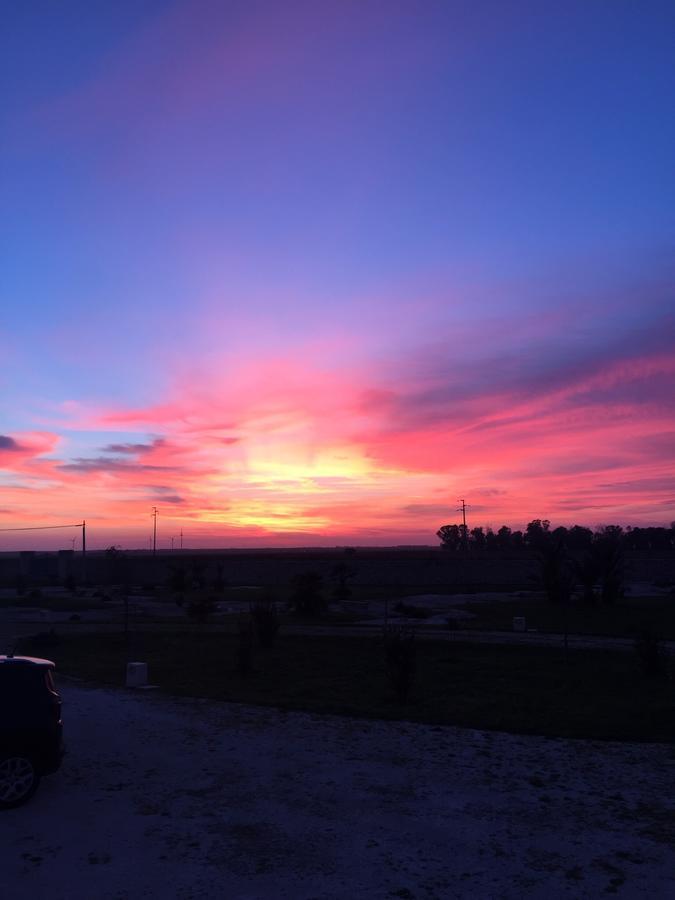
pixel 44 527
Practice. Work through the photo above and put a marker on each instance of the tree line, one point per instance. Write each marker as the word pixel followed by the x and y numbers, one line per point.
pixel 575 539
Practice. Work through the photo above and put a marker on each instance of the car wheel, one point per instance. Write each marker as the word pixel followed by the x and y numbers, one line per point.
pixel 18 780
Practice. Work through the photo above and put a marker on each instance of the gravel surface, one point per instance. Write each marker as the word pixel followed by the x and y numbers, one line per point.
pixel 172 798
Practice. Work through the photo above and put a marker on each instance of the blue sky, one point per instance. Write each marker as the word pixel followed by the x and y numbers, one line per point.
pixel 377 195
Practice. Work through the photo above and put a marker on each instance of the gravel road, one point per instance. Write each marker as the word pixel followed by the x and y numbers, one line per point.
pixel 174 798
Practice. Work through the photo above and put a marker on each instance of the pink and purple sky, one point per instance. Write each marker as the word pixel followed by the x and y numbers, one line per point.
pixel 307 273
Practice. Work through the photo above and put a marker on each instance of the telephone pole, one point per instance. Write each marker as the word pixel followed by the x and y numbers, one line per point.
pixel 465 533
pixel 181 539
pixel 154 530
pixel 84 550
pixel 462 509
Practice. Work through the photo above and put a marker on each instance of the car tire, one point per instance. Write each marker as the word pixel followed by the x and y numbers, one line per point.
pixel 18 780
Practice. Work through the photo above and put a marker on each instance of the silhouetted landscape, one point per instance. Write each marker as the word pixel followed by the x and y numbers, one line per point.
pixel 337 497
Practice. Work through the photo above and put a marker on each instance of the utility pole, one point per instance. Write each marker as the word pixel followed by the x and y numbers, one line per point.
pixel 462 509
pixel 181 539
pixel 154 530
pixel 172 545
pixel 84 550
pixel 465 533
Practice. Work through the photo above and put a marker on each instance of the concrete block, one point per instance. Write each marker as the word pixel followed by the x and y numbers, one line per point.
pixel 137 674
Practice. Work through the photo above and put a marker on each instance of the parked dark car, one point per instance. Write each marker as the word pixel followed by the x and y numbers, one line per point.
pixel 31 730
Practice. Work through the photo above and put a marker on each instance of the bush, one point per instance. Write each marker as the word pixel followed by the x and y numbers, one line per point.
pixel 307 595
pixel 219 583
pixel 400 658
pixel 43 640
pixel 413 612
pixel 554 572
pixel 652 656
pixel 341 575
pixel 266 622
pixel 244 645
pixel 201 607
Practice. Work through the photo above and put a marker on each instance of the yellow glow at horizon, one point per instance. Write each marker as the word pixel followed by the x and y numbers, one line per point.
pixel 274 517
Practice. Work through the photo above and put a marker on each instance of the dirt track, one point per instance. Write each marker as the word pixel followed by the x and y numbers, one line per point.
pixel 176 798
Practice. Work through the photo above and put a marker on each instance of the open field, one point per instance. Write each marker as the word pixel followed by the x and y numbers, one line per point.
pixel 597 694
pixel 628 618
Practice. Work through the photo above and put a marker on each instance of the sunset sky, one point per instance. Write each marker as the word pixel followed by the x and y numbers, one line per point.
pixel 303 273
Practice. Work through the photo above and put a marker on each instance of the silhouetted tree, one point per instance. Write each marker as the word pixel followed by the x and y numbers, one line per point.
pixel 504 537
pixel 478 537
pixel 450 536
pixel 517 540
pixel 587 573
pixel 579 538
pixel 554 569
pixel 536 532
pixel 114 564
pixel 491 540
pixel 341 574
pixel 607 552
pixel 559 534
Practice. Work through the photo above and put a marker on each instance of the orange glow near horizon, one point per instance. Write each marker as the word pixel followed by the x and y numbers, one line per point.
pixel 316 458
pixel 309 273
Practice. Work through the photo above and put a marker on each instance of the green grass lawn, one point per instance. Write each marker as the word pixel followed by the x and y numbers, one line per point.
pixel 630 616
pixel 600 694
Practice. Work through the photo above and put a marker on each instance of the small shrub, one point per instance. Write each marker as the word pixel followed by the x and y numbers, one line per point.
pixel 35 594
pixel 413 612
pixel 43 640
pixel 652 656
pixel 400 658
pixel 307 596
pixel 201 607
pixel 266 622
pixel 244 645
pixel 197 574
pixel 341 575
pixel 219 583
